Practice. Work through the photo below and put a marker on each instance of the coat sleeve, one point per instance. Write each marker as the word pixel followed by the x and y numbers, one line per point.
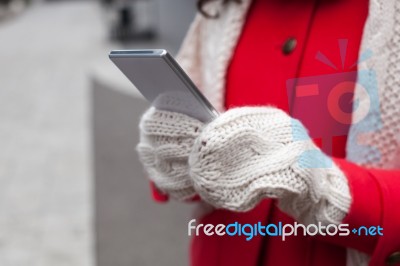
pixel 157 195
pixel 375 202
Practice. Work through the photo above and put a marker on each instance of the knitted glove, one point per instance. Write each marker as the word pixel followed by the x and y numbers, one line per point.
pixel 166 139
pixel 251 153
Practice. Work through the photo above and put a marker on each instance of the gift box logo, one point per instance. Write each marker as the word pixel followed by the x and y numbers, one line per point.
pixel 326 104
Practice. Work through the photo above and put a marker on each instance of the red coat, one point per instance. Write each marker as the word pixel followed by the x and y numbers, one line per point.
pixel 260 73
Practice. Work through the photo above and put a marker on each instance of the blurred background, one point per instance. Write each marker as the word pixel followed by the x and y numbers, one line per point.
pixel 72 191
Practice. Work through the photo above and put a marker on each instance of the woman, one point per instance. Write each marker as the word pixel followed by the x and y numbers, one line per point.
pixel 290 59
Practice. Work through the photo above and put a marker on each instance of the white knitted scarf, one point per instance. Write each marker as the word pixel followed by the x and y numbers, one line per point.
pixel 372 142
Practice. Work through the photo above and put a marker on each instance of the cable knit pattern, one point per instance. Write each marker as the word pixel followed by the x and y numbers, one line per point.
pixel 249 153
pixel 243 156
pixel 166 139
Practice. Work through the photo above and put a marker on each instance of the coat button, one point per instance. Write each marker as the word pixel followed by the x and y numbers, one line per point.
pixel 393 259
pixel 289 46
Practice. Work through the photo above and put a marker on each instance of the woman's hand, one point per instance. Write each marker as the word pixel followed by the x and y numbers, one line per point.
pixel 166 140
pixel 251 153
pixel 243 156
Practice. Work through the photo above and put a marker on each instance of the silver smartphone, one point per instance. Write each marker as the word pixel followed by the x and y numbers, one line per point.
pixel 161 80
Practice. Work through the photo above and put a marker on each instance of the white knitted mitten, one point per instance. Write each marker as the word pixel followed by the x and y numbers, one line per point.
pixel 166 139
pixel 251 153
